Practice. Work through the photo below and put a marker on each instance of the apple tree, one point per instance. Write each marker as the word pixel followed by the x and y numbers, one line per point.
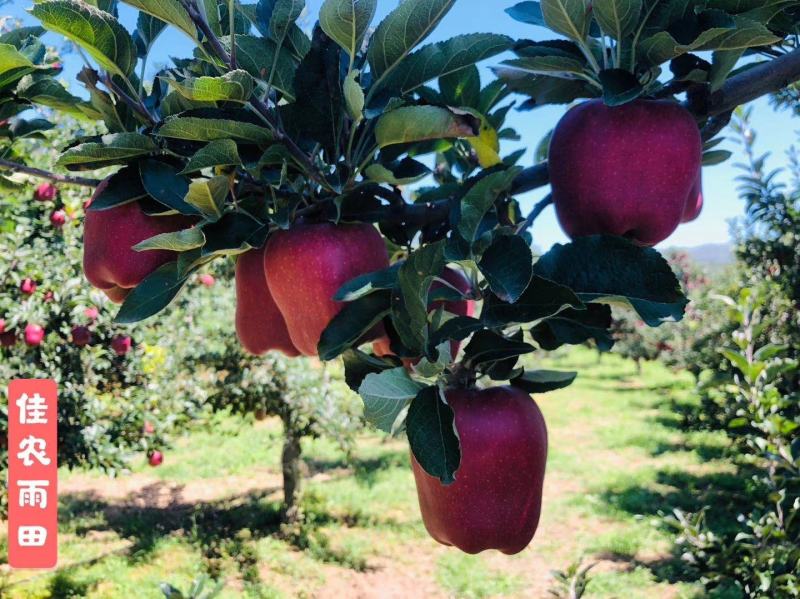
pixel 296 152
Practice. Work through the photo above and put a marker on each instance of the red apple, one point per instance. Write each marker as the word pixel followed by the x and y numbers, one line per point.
pixel 260 326
pixel 307 265
pixel 206 280
pixel 694 204
pixel 34 334
pixel 156 458
pixel 8 339
pixel 81 336
pixel 624 170
pixel 2 325
pixel 28 286
pixel 58 218
pixel 45 192
pixel 48 296
pixel 496 498
pixel 121 344
pixel 109 261
pixel 148 428
pixel 91 313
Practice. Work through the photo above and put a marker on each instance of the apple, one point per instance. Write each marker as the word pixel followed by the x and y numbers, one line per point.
pixel 260 326
pixel 48 296
pixel 382 347
pixel 109 261
pixel 121 344
pixel 2 325
pixel 694 204
pixel 8 339
pixel 45 192
pixel 81 336
pixel 34 334
pixel 58 218
pixel 496 499
pixel 206 280
pixel 624 170
pixel 28 286
pixel 306 266
pixel 91 313
pixel 156 458
pixel 148 428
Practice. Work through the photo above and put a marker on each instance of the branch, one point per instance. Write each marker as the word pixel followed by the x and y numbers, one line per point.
pixel 42 174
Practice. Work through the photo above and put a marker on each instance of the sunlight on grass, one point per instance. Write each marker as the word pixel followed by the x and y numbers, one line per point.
pixel 468 577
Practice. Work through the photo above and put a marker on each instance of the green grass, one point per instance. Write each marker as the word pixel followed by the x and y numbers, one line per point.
pixel 617 460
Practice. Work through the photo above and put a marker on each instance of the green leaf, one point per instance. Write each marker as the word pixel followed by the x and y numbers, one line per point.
pixel 401 31
pixel 555 65
pixel 508 267
pixel 20 35
pixel 368 283
pixel 358 364
pixel 152 295
pixel 163 183
pixel 148 28
pixel 176 241
pixel 220 152
pixel 419 123
pixel 567 17
pixel 46 91
pixel 113 148
pixel 12 59
pixel 96 31
pixel 619 86
pixel 715 157
pixel 573 327
pixel 403 172
pixel 542 298
pixel 123 186
pixel 527 12
pixel 282 15
pixel 169 11
pixel 432 435
pixel 542 381
pixel 617 18
pixel 386 395
pixel 202 129
pixel 232 234
pixel 257 56
pixel 488 346
pixel 352 322
pixel 481 197
pixel 235 86
pixel 354 97
pixel 722 63
pixel 608 269
pixel 347 21
pixel 208 195
pixel 442 59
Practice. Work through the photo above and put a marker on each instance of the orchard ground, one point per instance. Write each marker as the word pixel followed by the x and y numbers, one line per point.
pixel 617 459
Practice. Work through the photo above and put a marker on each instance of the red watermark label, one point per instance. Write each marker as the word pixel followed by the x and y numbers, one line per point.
pixel 32 474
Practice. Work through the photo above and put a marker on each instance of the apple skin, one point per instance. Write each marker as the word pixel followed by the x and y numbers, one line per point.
pixel 91 313
pixel 8 339
pixel 382 347
pixel 624 170
pixel 45 192
pixel 28 286
pixel 694 204
pixel 206 280
pixel 58 218
pixel 34 335
pixel 121 344
pixel 260 326
pixel 81 336
pixel 496 499
pixel 109 261
pixel 306 266
pixel 155 459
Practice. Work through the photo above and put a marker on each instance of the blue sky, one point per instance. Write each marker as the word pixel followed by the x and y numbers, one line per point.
pixel 776 130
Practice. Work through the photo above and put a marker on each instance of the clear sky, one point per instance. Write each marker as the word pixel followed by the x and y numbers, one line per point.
pixel 776 130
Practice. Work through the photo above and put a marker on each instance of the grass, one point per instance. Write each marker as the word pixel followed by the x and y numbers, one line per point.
pixel 617 460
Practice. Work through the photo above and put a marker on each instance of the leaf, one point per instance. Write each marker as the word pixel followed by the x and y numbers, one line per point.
pixel 220 152
pixel 163 183
pixel 275 17
pixel 46 91
pixel 527 12
pixel 508 267
pixel 368 283
pixel 386 395
pixel 613 270
pixel 152 295
pixel 12 59
pixel 122 187
pixel 401 31
pixel 617 18
pixel 235 86
pixel 542 381
pixel 352 322
pixel 357 365
pixel 419 123
pixel 480 198
pixel 354 97
pixel 96 31
pixel 148 28
pixel 715 157
pixel 573 327
pixel 556 65
pixel 232 234
pixel 488 346
pixel 169 11
pixel 176 241
pixel 432 435
pixel 257 56
pixel 619 86
pixel 722 63
pixel 542 298
pixel 113 148
pixel 208 195
pixel 442 59
pixel 403 172
pixel 567 17
pixel 347 21
pixel 203 129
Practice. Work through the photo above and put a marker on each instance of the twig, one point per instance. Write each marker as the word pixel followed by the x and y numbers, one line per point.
pixel 43 174
pixel 135 104
pixel 534 214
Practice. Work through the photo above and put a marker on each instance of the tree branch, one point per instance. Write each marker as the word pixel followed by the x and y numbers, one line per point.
pixel 43 174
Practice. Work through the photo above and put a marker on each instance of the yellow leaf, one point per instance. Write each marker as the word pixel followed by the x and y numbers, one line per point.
pixel 486 146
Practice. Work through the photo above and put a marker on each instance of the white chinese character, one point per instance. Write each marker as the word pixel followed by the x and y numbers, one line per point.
pixel 31 536
pixel 32 493
pixel 32 409
pixel 33 447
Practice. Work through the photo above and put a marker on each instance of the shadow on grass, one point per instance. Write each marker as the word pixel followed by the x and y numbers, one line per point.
pixel 365 470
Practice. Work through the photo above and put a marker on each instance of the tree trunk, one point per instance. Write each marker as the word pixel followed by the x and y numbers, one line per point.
pixel 638 367
pixel 291 463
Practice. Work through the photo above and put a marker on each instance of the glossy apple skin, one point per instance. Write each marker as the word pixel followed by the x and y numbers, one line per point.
pixel 155 459
pixel 34 335
pixel 109 261
pixel 307 265
pixel 260 326
pixel 694 204
pixel 382 347
pixel 81 336
pixel 121 344
pixel 624 170
pixel 496 499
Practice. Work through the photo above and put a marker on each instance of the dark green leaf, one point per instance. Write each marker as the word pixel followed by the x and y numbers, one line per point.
pixel 419 123
pixel 542 381
pixel 357 365
pixel 480 198
pixel 123 186
pixel 508 266
pixel 527 12
pixel 220 152
pixel 163 183
pixel 432 435
pixel 573 327
pixel 152 295
pixel 347 21
pixel 368 283
pixel 488 346
pixel 354 320
pixel 542 298
pixel 619 86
